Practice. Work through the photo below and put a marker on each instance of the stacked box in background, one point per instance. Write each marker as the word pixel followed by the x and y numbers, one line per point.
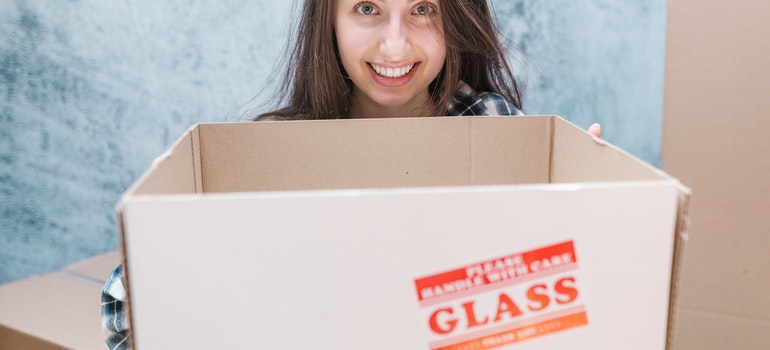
pixel 716 140
pixel 58 310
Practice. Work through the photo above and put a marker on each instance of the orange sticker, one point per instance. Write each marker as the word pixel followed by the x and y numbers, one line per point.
pixel 518 333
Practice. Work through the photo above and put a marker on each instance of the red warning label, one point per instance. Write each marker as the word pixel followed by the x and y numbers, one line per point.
pixel 504 300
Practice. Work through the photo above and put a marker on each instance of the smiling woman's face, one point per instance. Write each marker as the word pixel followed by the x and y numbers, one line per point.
pixel 392 50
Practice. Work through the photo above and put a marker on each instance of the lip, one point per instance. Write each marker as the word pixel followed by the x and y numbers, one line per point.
pixel 393 82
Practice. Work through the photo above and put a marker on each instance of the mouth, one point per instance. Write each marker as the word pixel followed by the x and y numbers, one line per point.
pixel 392 72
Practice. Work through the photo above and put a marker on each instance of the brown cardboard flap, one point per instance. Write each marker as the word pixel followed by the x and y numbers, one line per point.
pixel 334 154
pixel 174 172
pixel 387 153
pixel 382 153
pixel 578 157
pixel 510 150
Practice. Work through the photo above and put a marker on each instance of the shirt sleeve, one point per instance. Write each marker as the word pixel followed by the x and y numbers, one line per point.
pixel 115 326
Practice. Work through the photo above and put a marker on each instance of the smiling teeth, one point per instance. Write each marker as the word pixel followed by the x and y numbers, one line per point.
pixel 392 72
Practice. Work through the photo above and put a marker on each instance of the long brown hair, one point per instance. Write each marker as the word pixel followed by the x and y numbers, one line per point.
pixel 315 86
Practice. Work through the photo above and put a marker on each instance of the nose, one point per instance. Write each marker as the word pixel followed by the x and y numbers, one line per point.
pixel 394 44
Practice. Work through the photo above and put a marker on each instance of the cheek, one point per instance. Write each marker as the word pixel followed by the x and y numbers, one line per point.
pixel 435 48
pixel 350 48
pixel 432 41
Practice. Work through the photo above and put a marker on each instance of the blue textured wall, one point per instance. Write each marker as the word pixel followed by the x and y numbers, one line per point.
pixel 91 91
pixel 594 61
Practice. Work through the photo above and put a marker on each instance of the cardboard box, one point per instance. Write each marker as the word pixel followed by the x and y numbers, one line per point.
pixel 59 310
pixel 715 139
pixel 426 233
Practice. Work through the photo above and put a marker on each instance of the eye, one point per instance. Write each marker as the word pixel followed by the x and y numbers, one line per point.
pixel 366 8
pixel 424 9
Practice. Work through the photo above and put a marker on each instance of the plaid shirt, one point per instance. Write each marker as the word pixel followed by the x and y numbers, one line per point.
pixel 467 102
pixel 115 326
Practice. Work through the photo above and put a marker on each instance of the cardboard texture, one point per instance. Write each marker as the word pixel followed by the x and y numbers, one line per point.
pixel 59 310
pixel 715 139
pixel 426 233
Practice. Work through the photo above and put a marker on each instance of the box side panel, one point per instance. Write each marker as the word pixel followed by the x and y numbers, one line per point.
pixel 56 310
pixel 579 157
pixel 334 267
pixel 311 155
pixel 715 139
pixel 511 150
pixel 174 172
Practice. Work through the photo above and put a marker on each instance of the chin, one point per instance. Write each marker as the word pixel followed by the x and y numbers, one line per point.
pixel 397 100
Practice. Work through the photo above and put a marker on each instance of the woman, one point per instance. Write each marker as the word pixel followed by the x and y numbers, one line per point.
pixel 376 59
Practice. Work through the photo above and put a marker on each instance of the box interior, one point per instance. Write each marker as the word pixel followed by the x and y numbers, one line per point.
pixel 382 153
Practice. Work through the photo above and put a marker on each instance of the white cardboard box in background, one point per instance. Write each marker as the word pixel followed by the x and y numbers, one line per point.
pixel 428 233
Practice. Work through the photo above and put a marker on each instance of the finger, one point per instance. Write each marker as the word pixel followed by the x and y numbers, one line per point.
pixel 596 130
